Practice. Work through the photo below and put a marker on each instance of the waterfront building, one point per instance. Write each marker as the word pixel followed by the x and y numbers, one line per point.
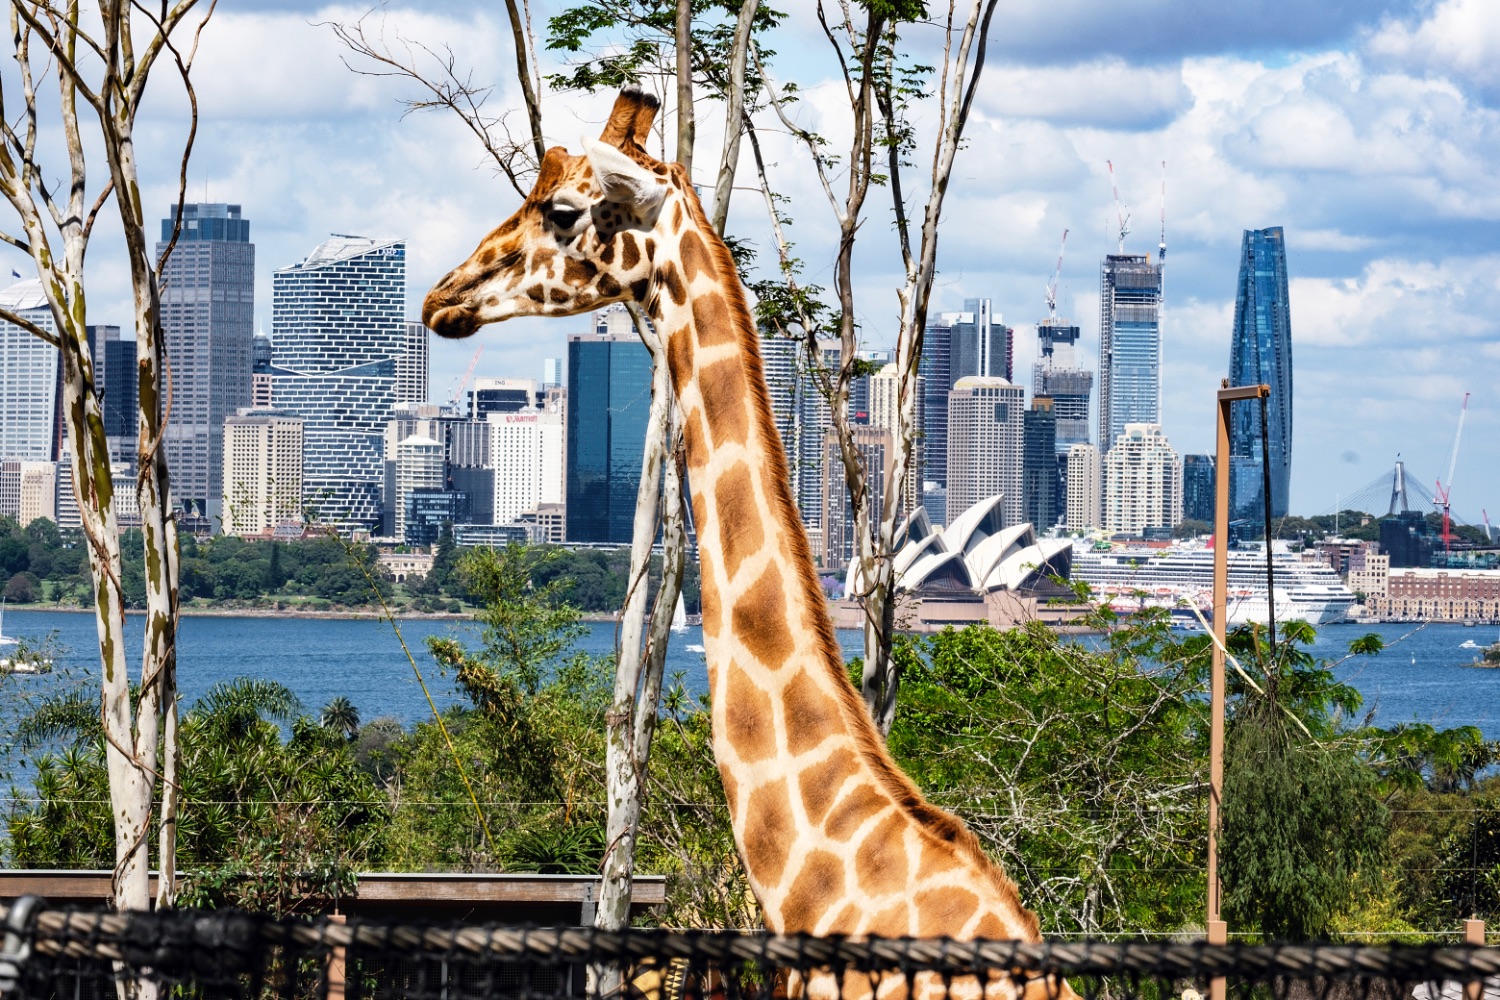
pixel 609 403
pixel 419 466
pixel 955 345
pixel 1085 488
pixel 1142 483
pixel 1130 296
pixel 1057 376
pixel 411 364
pixel 30 378
pixel 986 446
pixel 527 457
pixel 1039 464
pixel 501 395
pixel 262 472
pixel 1414 593
pixel 874 445
pixel 1198 488
pixel 338 324
pixel 1261 353
pixel 208 320
pixel 427 510
pixel 117 386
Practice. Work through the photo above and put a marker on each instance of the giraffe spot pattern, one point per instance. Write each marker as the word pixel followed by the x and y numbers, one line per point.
pixel 768 830
pixel 820 881
pixel 579 272
pixel 747 717
pixel 711 317
pixel 943 910
pixel 650 250
pixel 740 532
pixel 810 715
pixel 537 293
pixel 722 385
pixel 853 810
pixel 989 926
pixel 608 286
pixel 893 921
pixel 677 217
pixel 672 282
pixel 680 361
pixel 759 620
pixel 694 256
pixel 630 253
pixel 639 288
pixel 708 587
pixel 731 788
pixel 880 861
pixel 559 295
pixel 697 449
pixel 820 783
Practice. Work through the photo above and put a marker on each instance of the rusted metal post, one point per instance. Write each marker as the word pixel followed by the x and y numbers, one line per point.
pixel 1218 931
pixel 1474 934
pixel 336 959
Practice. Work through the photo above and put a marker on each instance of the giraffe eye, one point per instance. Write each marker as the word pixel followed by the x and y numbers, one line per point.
pixel 564 218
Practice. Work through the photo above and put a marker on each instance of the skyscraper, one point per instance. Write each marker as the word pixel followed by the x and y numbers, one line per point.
pixel 957 345
pixel 29 378
pixel 1084 487
pixel 118 387
pixel 802 418
pixel 1039 486
pixel 338 324
pixel 609 402
pixel 411 365
pixel 208 316
pixel 1129 345
pixel 1056 375
pixel 262 471
pixel 985 445
pixel 500 395
pixel 1142 483
pixel 527 458
pixel 1198 488
pixel 1261 352
pixel 837 520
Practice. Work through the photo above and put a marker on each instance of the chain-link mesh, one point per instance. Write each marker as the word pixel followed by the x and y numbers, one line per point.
pixel 74 955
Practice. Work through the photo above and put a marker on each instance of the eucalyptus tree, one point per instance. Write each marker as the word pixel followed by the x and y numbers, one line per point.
pixel 82 74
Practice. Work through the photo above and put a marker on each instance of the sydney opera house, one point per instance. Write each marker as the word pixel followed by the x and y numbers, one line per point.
pixel 976 568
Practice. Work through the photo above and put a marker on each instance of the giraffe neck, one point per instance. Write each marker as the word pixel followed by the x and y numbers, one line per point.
pixel 834 838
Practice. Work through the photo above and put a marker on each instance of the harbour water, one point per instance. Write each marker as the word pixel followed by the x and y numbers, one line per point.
pixel 1425 674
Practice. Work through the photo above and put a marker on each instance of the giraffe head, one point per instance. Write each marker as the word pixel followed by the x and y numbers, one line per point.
pixel 582 240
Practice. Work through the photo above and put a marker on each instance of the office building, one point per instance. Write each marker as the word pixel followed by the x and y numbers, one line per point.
pixel 957 345
pixel 986 441
pixel 419 466
pixel 411 365
pixel 262 471
pixel 1198 488
pixel 1057 375
pixel 884 401
pixel 1142 484
pixel 466 458
pixel 426 511
pixel 30 378
pixel 552 373
pixel 1260 352
pixel 609 403
pixel 338 323
pixel 1406 538
pixel 501 395
pixel 208 318
pixel 262 354
pixel 861 386
pixel 1039 485
pixel 840 543
pixel 527 456
pixel 1130 289
pixel 1085 488
pixel 28 490
pixel 803 418
pixel 117 384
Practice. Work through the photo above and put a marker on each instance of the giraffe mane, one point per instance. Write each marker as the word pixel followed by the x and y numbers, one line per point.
pixel 933 820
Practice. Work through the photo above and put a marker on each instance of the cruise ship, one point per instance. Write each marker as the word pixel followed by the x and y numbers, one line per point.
pixel 1181 578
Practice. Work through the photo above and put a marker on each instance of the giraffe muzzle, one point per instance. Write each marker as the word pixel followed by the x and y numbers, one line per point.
pixel 451 321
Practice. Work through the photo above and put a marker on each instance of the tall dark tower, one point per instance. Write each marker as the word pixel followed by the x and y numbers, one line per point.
pixel 208 314
pixel 1261 352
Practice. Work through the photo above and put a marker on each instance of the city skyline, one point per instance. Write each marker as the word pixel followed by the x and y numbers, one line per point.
pixel 1295 120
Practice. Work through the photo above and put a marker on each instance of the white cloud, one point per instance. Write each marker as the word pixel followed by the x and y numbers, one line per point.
pixel 1108 93
pixel 1458 39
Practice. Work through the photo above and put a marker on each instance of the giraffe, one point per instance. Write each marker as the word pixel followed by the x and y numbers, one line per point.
pixel 835 839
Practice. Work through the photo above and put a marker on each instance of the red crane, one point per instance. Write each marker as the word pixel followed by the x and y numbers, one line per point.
pixel 1441 500
pixel 458 388
pixel 1056 274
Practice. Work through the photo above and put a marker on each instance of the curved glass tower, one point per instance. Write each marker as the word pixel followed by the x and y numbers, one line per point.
pixel 1261 352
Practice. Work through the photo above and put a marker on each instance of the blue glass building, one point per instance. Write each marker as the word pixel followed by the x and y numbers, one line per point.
pixel 1198 488
pixel 1261 352
pixel 609 401
pixel 338 325
pixel 208 317
pixel 1129 344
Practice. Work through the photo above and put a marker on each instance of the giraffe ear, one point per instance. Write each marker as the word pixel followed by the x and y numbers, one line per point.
pixel 624 180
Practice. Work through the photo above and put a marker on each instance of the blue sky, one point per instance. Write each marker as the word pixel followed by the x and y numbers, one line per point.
pixel 1369 130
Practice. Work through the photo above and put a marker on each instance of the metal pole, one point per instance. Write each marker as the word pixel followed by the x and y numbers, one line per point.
pixel 1218 932
pixel 1265 490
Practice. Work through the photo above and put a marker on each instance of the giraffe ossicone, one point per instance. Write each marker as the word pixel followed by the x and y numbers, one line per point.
pixel 834 837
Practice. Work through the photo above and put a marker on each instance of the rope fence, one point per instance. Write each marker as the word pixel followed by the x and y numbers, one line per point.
pixel 81 955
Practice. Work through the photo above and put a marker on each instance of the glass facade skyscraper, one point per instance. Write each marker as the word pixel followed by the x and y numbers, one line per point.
pixel 1261 352
pixel 29 378
pixel 208 316
pixel 337 323
pixel 957 345
pixel 609 401
pixel 1198 488
pixel 1129 344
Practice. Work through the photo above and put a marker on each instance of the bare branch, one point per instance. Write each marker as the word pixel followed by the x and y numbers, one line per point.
pixel 734 114
pixel 525 70
pixel 11 316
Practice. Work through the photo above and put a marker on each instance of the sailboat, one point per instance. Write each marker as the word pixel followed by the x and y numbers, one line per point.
pixel 679 616
pixel 18 659
pixel 5 640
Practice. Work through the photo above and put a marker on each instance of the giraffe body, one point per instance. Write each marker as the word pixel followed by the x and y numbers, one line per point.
pixel 834 837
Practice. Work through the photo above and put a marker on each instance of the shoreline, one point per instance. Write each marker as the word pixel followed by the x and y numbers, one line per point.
pixel 347 614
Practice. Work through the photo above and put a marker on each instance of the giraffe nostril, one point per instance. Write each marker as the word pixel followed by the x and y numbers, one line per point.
pixel 492 300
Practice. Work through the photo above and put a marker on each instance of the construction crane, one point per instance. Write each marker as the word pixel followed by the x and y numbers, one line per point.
pixel 1442 499
pixel 1120 212
pixel 1161 248
pixel 458 388
pixel 1489 538
pixel 1056 274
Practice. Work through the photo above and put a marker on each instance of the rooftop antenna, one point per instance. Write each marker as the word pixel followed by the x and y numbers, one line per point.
pixel 1056 274
pixel 1120 212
